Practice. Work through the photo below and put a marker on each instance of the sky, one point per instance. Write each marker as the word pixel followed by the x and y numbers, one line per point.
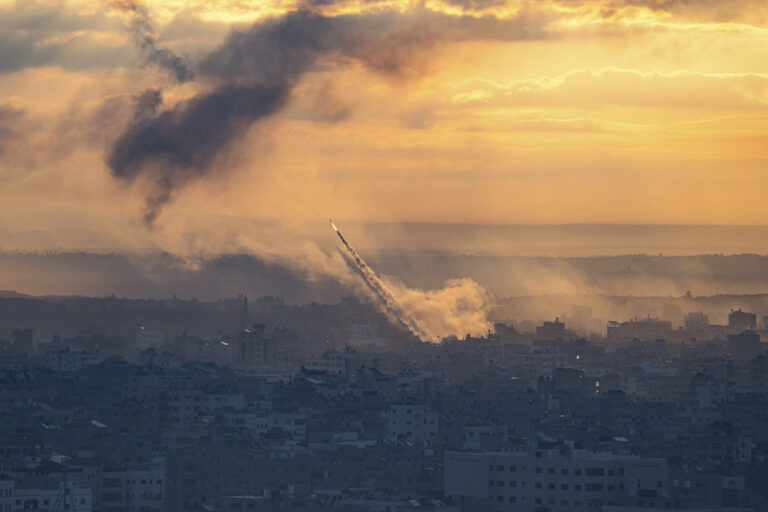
pixel 141 120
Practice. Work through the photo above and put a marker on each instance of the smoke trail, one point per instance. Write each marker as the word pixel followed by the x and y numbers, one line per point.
pixel 378 287
pixel 143 31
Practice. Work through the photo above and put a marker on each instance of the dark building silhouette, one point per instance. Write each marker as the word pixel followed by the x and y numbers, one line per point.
pixel 741 320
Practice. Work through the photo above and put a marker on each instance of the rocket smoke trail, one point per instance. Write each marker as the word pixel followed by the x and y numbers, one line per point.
pixel 380 289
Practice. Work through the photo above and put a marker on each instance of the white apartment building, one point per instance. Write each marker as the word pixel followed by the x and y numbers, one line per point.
pixel 145 487
pixel 68 497
pixel 558 478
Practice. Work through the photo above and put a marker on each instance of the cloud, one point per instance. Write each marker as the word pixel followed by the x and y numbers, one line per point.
pixel 34 34
pixel 754 11
pixel 262 65
pixel 476 5
pixel 10 118
pixel 589 88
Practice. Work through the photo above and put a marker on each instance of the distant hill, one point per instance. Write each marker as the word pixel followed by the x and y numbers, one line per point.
pixel 12 294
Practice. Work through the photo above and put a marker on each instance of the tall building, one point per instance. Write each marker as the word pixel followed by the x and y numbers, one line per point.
pixel 551 330
pixel 742 321
pixel 696 321
pixel 645 329
pixel 253 348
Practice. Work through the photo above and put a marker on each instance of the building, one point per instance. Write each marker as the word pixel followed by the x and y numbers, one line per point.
pixel 253 348
pixel 69 361
pixel 145 487
pixel 414 423
pixel 199 475
pixel 646 329
pixel 67 496
pixel 146 338
pixel 551 330
pixel 551 475
pixel 363 333
pixel 332 362
pixel 696 321
pixel 741 320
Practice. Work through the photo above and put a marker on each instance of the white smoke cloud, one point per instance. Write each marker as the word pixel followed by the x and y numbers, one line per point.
pixel 460 307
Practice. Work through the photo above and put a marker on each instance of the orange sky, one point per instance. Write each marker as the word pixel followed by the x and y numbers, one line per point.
pixel 617 111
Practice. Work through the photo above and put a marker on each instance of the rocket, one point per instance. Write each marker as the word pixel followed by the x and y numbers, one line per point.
pixel 380 289
pixel 358 260
pixel 338 232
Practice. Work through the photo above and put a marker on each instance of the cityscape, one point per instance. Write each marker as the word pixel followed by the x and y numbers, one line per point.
pixel 262 405
pixel 383 255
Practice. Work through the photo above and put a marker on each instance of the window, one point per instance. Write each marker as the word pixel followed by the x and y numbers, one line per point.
pixel 490 483
pixel 564 487
pixel 499 468
pixel 551 486
pixel 538 485
pixel 563 471
pixel 594 487
pixel 577 472
pixel 513 469
pixel 538 470
pixel 551 471
pixel 595 471
pixel 538 501
pixel 513 499
pixel 513 483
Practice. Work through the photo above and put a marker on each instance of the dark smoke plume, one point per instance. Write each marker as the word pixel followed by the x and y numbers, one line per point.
pixel 143 31
pixel 147 103
pixel 181 144
pixel 264 63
